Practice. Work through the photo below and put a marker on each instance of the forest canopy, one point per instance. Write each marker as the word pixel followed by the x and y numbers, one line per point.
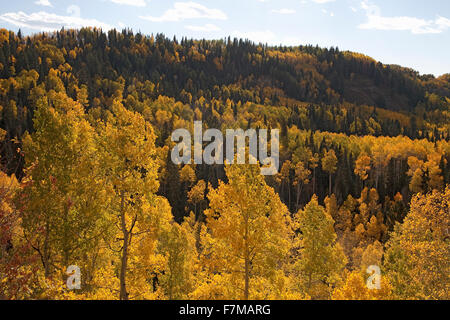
pixel 87 180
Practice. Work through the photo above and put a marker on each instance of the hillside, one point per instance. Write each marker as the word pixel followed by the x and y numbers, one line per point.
pixel 86 119
pixel 228 69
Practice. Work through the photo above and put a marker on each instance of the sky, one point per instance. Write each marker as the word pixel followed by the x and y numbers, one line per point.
pixel 411 33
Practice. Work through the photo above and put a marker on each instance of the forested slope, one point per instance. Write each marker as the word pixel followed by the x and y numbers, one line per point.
pixel 86 118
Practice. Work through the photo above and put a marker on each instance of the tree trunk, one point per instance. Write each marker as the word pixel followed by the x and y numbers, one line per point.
pixel 330 185
pixel 298 195
pixel 124 260
pixel 247 278
pixel 314 181
pixel 247 262
pixel 46 252
pixel 289 194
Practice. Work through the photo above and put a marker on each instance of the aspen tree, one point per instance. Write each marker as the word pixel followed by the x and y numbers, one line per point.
pixel 248 234
pixel 127 147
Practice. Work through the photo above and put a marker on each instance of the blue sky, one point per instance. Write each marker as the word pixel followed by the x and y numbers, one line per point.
pixel 412 33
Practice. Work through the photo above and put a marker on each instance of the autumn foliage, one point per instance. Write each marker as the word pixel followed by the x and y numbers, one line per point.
pixel 87 179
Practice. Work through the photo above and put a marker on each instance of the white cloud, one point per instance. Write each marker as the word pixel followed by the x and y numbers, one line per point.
pixel 135 3
pixel 371 9
pixel 45 3
pixel 74 11
pixel 188 10
pixel 375 21
pixel 415 25
pixel 206 28
pixel 284 11
pixel 443 22
pixel 323 1
pixel 44 21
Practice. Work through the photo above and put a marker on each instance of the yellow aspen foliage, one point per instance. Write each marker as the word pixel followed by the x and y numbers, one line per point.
pixel 4 36
pixel 62 199
pixel 417 259
pixel 301 174
pixel 359 241
pixel 83 96
pixel 88 134
pixel 332 207
pixel 301 178
pixel 147 262
pixel 217 286
pixel 178 245
pixel 282 179
pixel 416 184
pixel 375 228
pixel 196 196
pixel 72 54
pixel 398 197
pixel 362 166
pixel 320 258
pixel 283 175
pixel 54 82
pixel 127 147
pixel 435 178
pixel 416 173
pixel 102 286
pixel 247 239
pixel 18 271
pixel 343 220
pixel 187 175
pixel 329 164
pixel 355 288
pixel 372 256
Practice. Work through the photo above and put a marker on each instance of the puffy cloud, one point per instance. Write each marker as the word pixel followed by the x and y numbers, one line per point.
pixel 443 22
pixel 188 10
pixel 44 21
pixel 323 1
pixel 45 3
pixel 135 3
pixel 376 21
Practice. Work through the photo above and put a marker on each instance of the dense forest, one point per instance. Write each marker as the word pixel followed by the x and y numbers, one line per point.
pixel 86 119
